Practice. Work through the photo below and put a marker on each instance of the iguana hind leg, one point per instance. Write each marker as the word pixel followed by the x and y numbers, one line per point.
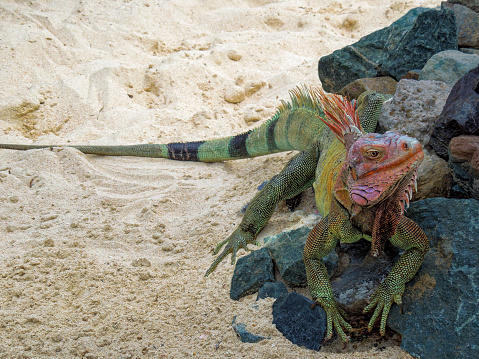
pixel 297 175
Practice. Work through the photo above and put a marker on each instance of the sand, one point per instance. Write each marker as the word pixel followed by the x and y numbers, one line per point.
pixel 104 257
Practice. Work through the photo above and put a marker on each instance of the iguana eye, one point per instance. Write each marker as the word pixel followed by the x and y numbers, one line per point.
pixel 373 154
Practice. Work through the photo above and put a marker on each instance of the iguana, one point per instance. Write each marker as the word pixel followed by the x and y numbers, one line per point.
pixel 362 183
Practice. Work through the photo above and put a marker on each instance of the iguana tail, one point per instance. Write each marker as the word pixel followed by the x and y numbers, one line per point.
pixel 294 126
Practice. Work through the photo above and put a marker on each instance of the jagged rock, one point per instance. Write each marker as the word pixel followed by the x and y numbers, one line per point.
pixel 385 85
pixel 421 33
pixel 440 303
pixel 464 161
pixel 467 26
pixel 286 248
pixel 471 4
pixel 361 274
pixel 243 334
pixel 460 115
pixel 299 323
pixel 434 31
pixel 272 290
pixel 251 272
pixel 448 66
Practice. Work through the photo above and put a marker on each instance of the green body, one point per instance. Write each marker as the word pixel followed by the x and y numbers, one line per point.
pixel 295 126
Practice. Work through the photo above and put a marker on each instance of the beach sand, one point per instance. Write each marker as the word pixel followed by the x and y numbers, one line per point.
pixel 104 257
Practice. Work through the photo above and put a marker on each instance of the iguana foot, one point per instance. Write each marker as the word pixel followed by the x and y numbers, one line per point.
pixel 383 299
pixel 335 319
pixel 238 239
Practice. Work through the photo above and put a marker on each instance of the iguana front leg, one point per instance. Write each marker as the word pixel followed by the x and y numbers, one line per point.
pixel 322 240
pixel 296 176
pixel 413 240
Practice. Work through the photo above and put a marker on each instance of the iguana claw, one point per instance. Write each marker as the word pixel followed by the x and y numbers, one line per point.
pixel 383 299
pixel 335 319
pixel 238 239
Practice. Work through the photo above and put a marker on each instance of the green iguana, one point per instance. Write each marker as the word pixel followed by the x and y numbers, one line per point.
pixel 362 184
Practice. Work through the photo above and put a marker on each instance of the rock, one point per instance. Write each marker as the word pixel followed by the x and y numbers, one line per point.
pixel 251 272
pixel 467 50
pixel 434 31
pixel 272 290
pixel 253 86
pixel 411 75
pixel 243 334
pixel 448 66
pixel 440 303
pixel 286 248
pixel 393 51
pixel 298 322
pixel 354 284
pixel 467 26
pixel 460 115
pixel 234 94
pixel 414 109
pixel 434 177
pixel 233 55
pixel 385 85
pixel 251 115
pixel 471 4
pixel 464 161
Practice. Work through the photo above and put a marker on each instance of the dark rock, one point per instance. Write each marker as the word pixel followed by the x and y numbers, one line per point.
pixel 460 115
pixel 286 248
pixel 361 274
pixel 272 290
pixel 464 162
pixel 385 85
pixel 448 66
pixel 251 272
pixel 467 26
pixel 440 303
pixel 298 322
pixel 243 334
pixel 434 31
pixel 471 4
pixel 363 58
pixel 393 51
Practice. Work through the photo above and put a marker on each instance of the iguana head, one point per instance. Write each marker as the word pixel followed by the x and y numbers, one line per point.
pixel 381 165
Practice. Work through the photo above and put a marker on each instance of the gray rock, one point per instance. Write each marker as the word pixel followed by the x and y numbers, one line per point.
pixel 440 303
pixel 251 272
pixel 448 66
pixel 471 4
pixel 467 26
pixel 272 290
pixel 360 276
pixel 393 51
pixel 299 323
pixel 243 334
pixel 286 248
pixel 460 115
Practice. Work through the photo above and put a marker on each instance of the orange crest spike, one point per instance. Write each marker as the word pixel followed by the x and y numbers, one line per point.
pixel 340 115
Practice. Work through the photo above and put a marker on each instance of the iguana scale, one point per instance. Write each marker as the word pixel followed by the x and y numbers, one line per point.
pixel 362 184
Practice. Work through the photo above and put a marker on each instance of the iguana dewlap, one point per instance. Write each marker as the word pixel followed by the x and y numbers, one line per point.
pixel 362 182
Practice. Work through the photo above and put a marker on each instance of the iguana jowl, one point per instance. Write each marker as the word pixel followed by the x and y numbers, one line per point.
pixel 362 184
